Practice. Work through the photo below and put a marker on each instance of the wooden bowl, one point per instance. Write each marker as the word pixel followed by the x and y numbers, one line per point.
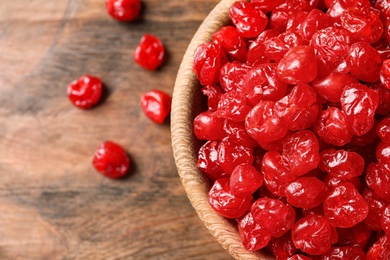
pixel 187 102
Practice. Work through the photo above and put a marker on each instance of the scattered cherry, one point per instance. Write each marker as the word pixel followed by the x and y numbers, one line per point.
pixel 111 160
pixel 124 10
pixel 85 91
pixel 150 52
pixel 156 105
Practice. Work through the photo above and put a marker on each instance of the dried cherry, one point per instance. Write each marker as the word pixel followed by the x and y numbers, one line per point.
pixel 253 235
pixel 150 52
pixel 85 91
pixel 111 160
pixel 156 105
pixel 275 217
pixel 225 203
pixel 303 239
pixel 345 207
pixel 124 10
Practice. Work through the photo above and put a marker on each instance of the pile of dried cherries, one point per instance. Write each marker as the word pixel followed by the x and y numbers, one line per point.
pixel 296 135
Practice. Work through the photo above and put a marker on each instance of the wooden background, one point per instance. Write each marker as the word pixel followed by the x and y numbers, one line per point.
pixel 53 205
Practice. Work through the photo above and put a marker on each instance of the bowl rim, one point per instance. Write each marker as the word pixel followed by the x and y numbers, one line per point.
pixel 183 139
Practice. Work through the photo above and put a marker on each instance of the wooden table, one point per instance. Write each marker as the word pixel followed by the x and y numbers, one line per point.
pixel 53 204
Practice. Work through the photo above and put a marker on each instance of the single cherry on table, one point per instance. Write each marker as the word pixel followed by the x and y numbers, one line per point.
pixel 124 10
pixel 85 91
pixel 150 52
pixel 111 160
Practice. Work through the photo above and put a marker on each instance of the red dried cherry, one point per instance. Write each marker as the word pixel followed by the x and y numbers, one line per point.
pixel 85 91
pixel 252 235
pixel 333 127
pixel 262 123
pixel 301 151
pixel 232 76
pixel 277 46
pixel 276 173
pixel 345 207
pixel 363 23
pixel 379 250
pixel 282 247
pixel 231 42
pixel 208 59
pixel 299 65
pixel 331 46
pixel 150 52
pixel 283 12
pixel 376 205
pixel 261 83
pixel 341 163
pixel 231 153
pixel 299 109
pixel 207 126
pixel 364 62
pixel 314 21
pixel 331 86
pixel 111 160
pixel 124 10
pixel 156 105
pixel 303 230
pixel 306 192
pixel 237 130
pixel 249 21
pixel 383 153
pixel 338 7
pixel 245 179
pixel 208 161
pixel 256 49
pixel 276 217
pixel 225 203
pixel 232 105
pixel 359 103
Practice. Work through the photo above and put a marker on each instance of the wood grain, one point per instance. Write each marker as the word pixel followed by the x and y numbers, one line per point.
pixel 53 205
